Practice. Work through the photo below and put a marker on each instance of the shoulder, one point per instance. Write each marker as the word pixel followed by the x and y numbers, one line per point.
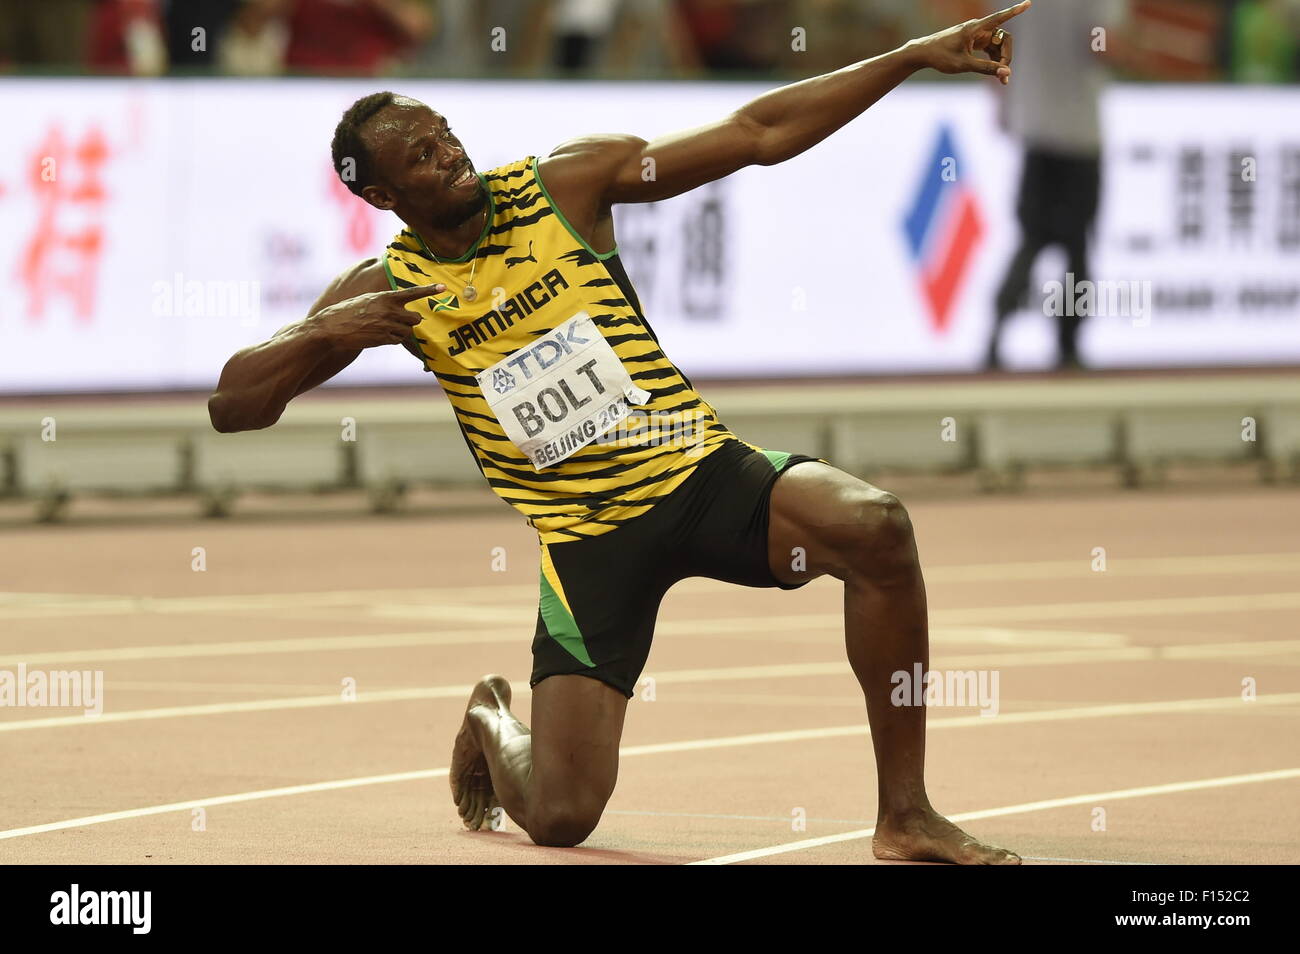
pixel 598 144
pixel 577 174
pixel 510 170
pixel 363 277
pixel 367 275
pixel 586 157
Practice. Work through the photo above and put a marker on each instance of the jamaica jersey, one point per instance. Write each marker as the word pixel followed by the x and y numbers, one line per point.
pixel 542 294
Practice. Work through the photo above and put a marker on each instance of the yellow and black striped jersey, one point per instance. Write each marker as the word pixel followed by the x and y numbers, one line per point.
pixel 532 273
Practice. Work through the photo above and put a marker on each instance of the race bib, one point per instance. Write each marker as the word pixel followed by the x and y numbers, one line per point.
pixel 560 394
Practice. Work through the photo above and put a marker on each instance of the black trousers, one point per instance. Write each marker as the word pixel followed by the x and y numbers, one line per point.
pixel 1058 202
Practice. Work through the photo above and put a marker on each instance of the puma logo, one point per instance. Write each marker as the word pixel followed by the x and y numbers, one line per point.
pixel 512 262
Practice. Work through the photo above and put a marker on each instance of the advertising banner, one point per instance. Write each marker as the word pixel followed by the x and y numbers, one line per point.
pixel 151 229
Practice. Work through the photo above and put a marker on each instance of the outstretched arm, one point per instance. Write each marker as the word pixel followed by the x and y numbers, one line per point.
pixel 595 171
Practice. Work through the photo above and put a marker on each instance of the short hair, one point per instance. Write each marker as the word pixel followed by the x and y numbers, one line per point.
pixel 348 144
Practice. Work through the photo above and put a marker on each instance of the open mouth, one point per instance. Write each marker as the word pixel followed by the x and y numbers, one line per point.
pixel 466 175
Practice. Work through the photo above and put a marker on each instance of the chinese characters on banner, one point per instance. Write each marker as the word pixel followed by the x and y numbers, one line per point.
pixel 64 243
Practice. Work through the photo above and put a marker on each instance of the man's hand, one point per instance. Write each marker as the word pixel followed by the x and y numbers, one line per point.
pixel 372 319
pixel 957 49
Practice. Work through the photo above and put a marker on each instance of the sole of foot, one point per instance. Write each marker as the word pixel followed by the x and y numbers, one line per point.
pixel 471 785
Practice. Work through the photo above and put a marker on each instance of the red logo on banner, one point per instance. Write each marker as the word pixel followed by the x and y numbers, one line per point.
pixel 63 255
pixel 359 227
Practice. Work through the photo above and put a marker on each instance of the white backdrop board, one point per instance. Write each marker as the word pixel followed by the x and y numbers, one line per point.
pixel 150 229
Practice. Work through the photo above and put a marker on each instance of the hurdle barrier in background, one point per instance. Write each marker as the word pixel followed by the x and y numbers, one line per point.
pixel 996 429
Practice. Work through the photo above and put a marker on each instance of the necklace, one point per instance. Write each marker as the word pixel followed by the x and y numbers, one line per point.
pixel 470 292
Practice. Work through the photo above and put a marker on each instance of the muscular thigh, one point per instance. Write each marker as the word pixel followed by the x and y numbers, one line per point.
pixel 821 519
pixel 577 724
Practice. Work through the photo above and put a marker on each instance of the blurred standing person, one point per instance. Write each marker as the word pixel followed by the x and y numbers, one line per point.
pixel 607 37
pixel 126 36
pixel 495 38
pixel 1054 111
pixel 352 36
pixel 651 37
pixel 255 40
pixel 842 31
pixel 745 36
pixel 580 28
pixel 361 36
pixel 1264 41
pixel 51 34
pixel 188 50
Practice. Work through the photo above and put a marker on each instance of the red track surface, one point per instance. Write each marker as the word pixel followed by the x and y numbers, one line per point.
pixel 1199 593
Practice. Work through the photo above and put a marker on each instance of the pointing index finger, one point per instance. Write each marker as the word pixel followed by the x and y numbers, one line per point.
pixel 416 291
pixel 1002 16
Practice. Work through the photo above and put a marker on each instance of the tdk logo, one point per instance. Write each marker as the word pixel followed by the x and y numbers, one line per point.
pixel 943 228
pixel 503 382
pixel 542 355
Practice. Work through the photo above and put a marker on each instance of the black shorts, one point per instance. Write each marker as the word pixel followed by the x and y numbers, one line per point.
pixel 601 621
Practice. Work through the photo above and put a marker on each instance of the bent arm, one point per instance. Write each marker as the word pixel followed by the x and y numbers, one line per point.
pixel 355 312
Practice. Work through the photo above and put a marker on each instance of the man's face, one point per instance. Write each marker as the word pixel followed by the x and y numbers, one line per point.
pixel 421 169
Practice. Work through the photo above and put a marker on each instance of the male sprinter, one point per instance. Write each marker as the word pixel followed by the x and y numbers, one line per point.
pixel 540 370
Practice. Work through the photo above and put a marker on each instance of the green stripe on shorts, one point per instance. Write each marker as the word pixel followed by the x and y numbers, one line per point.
pixel 561 625
pixel 777 459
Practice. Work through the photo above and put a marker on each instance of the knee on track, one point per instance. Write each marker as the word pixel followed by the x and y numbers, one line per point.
pixel 564 824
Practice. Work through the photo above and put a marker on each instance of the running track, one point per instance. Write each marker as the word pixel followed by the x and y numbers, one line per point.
pixel 1119 690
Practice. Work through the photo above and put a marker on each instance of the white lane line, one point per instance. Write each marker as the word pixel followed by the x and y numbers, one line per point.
pixel 670 677
pixel 223 800
pixel 15 605
pixel 800 625
pixel 77 603
pixel 689 745
pixel 683 676
pixel 1106 609
pixel 520 614
pixel 226 708
pixel 1213 650
pixel 1021 809
pixel 1229 565
pixel 941 620
pixel 1093 609
pixel 1170 707
pixel 783 819
pixel 168 686
pixel 256 647
pixel 1091 861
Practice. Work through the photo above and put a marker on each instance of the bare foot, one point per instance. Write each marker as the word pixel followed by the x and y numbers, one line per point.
pixel 928 836
pixel 471 785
